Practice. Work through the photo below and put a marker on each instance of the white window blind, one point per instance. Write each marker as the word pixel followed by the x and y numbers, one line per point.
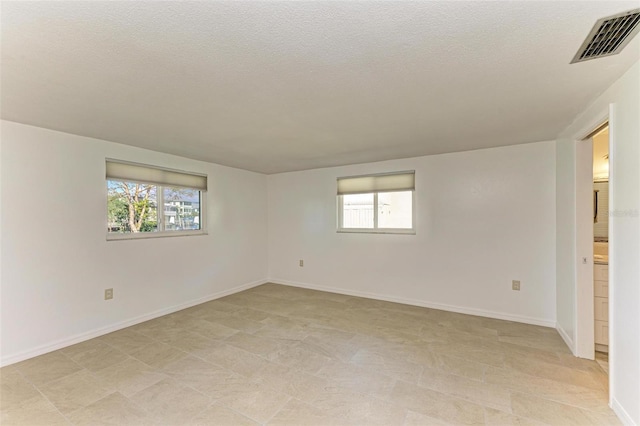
pixel 403 181
pixel 154 175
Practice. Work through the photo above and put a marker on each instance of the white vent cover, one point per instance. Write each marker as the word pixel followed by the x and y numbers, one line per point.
pixel 609 36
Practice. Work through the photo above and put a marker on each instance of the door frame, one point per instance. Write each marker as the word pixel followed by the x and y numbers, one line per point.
pixel 584 320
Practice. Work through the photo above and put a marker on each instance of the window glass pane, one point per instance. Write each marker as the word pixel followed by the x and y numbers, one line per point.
pixel 357 211
pixel 131 207
pixel 181 209
pixel 395 209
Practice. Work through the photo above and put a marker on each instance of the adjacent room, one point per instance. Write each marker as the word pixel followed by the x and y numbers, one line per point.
pixel 320 213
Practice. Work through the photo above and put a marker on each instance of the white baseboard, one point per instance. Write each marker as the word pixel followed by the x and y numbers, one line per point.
pixel 424 304
pixel 567 339
pixel 622 414
pixel 72 340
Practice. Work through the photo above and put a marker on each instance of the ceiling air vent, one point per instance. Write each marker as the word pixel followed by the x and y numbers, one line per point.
pixel 609 36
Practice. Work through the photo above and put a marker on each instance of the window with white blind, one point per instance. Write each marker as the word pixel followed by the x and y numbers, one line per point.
pixel 382 203
pixel 147 201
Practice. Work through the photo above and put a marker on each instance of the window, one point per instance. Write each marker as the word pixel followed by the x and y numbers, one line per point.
pixel 376 203
pixel 145 201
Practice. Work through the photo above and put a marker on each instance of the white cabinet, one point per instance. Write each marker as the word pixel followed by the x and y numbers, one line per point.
pixel 601 306
pixel 602 334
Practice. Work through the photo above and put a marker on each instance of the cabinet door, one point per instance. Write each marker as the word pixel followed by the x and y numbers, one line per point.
pixel 601 288
pixel 601 333
pixel 601 272
pixel 601 308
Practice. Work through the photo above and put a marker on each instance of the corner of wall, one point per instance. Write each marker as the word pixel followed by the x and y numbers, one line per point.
pixel 622 414
pixel 567 339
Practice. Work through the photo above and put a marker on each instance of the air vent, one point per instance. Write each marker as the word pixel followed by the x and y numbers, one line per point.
pixel 609 36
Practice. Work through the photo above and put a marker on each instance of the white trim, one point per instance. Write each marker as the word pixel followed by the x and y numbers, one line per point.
pixel 567 339
pixel 622 414
pixel 116 236
pixel 440 306
pixel 612 257
pixel 401 231
pixel 68 341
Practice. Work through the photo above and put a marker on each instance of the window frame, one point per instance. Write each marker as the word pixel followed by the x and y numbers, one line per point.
pixel 160 198
pixel 376 229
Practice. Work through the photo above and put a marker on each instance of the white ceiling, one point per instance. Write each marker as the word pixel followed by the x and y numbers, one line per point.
pixel 281 86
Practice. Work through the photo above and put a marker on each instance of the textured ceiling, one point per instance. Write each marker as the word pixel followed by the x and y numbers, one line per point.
pixel 280 86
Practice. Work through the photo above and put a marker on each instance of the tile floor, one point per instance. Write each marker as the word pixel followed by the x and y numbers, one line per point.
pixel 279 355
pixel 602 358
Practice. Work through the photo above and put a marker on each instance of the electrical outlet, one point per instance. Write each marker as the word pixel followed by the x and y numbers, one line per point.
pixel 108 294
pixel 515 285
pixel 301 263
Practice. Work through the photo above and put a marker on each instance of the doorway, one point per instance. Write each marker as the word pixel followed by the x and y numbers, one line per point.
pixel 600 142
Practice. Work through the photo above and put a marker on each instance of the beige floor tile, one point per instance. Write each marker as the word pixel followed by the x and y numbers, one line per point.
pixel 253 399
pixel 218 415
pixel 603 419
pixel 170 402
pixel 254 344
pixel 235 359
pixel 332 343
pixel 197 374
pixel 36 411
pixel 188 341
pixel 418 419
pixel 436 404
pixel 295 383
pixel 298 355
pixel 114 410
pixel 75 391
pixel 158 355
pixel 497 417
pixel 48 367
pixel 240 324
pixel 447 363
pixel 393 366
pixel 206 328
pixel 129 376
pixel 588 398
pixel 471 390
pixel 556 372
pixel 378 412
pixel 14 388
pixel 471 351
pixel 252 314
pixel 298 413
pixel 551 343
pixel 284 334
pixel 127 340
pixel 218 383
pixel 146 329
pixel 358 379
pixel 94 354
pixel 283 355
pixel 165 334
pixel 356 407
pixel 571 361
pixel 550 412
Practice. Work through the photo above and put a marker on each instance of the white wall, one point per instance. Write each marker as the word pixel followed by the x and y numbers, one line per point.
pixel 566 242
pixel 585 344
pixel 623 99
pixel 483 218
pixel 56 261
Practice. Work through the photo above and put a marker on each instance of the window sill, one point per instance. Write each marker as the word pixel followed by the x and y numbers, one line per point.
pixel 376 231
pixel 146 235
